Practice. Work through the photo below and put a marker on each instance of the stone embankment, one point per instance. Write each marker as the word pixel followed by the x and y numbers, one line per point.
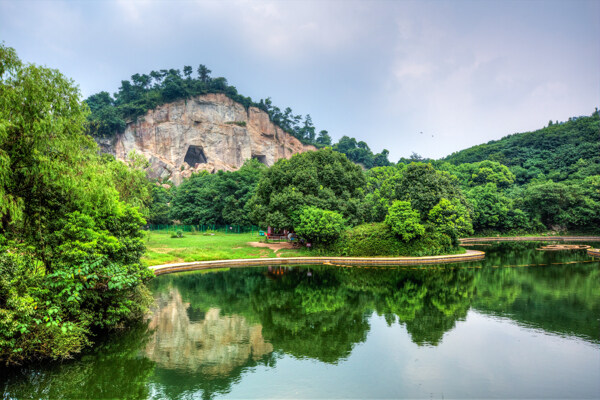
pixel 470 255
pixel 593 252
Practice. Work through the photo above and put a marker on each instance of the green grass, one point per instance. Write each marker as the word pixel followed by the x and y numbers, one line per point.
pixel 162 249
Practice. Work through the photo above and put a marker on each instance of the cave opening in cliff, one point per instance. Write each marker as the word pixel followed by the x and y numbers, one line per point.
pixel 195 155
pixel 260 158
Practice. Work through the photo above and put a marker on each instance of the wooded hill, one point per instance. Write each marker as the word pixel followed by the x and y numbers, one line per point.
pixel 560 151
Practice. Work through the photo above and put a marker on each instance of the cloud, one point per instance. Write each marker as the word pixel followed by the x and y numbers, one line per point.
pixel 467 72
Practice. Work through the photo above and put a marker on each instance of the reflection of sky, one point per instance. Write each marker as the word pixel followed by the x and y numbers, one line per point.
pixel 482 357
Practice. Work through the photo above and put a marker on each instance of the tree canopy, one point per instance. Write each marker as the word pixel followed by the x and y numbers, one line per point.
pixel 70 248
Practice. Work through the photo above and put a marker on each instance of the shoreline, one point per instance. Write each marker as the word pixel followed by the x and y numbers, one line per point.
pixel 470 255
pixel 530 239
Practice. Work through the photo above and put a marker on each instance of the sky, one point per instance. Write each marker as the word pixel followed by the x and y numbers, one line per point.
pixel 460 72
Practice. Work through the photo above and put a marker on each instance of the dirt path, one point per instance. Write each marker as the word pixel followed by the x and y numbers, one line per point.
pixel 273 246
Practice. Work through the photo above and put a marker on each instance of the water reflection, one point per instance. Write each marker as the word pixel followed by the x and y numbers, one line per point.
pixel 212 333
pixel 201 341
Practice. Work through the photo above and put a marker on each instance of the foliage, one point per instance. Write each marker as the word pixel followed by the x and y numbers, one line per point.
pixel 319 226
pixel 323 179
pixel 562 205
pixel 451 218
pixel 425 187
pixel 494 211
pixel 158 212
pixel 553 151
pixel 360 153
pixel 69 247
pixel 404 221
pixel 220 198
pixel 377 239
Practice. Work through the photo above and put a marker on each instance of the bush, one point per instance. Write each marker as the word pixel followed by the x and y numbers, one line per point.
pixel 377 239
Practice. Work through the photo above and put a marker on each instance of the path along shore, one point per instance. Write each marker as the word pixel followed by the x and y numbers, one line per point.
pixel 470 255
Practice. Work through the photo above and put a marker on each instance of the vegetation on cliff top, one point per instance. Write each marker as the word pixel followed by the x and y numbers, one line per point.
pixel 144 92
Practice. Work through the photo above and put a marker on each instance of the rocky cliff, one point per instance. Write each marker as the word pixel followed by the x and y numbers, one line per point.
pixel 209 132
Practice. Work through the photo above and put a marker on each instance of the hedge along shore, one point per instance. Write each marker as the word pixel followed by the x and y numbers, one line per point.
pixel 532 239
pixel 470 255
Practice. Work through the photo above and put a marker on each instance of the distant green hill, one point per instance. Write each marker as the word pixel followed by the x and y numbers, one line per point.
pixel 559 151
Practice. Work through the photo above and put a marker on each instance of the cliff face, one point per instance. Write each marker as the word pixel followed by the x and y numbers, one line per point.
pixel 209 132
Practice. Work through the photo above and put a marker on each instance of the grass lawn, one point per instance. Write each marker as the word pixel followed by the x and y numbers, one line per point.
pixel 162 249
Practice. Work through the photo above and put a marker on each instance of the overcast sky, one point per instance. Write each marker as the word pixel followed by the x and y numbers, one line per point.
pixel 461 72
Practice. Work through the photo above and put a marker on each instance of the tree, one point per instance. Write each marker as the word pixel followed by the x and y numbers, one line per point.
pixel 425 187
pixel 69 248
pixel 451 218
pixel 323 139
pixel 492 172
pixel 323 179
pixel 204 73
pixel 220 198
pixel 319 226
pixel 561 205
pixel 187 71
pixel 404 221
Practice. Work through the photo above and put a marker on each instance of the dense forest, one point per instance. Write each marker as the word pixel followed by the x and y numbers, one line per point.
pixel 556 189
pixel 144 92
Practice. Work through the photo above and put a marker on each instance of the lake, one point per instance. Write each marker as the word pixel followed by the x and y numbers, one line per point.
pixel 523 323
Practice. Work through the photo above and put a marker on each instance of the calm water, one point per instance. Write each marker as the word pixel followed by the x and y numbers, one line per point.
pixel 521 324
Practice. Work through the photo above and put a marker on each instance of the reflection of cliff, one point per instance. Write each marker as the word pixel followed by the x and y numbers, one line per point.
pixel 213 344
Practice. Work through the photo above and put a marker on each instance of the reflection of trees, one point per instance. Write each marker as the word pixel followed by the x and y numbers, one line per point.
pixel 112 370
pixel 311 315
pixel 545 296
pixel 321 312
pixel 427 302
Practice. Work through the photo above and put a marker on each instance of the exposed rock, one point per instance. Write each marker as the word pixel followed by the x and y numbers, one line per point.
pixel 209 132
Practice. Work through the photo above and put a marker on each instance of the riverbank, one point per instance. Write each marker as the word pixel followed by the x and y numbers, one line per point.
pixel 470 255
pixel 530 239
pixel 593 252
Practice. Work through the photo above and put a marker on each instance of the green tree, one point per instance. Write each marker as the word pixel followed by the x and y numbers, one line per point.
pixel 451 218
pixel 323 139
pixel 69 248
pixel 220 198
pixel 324 179
pixel 319 226
pixel 425 187
pixel 404 221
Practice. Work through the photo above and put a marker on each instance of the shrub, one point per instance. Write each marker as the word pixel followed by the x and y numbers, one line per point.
pixel 377 239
